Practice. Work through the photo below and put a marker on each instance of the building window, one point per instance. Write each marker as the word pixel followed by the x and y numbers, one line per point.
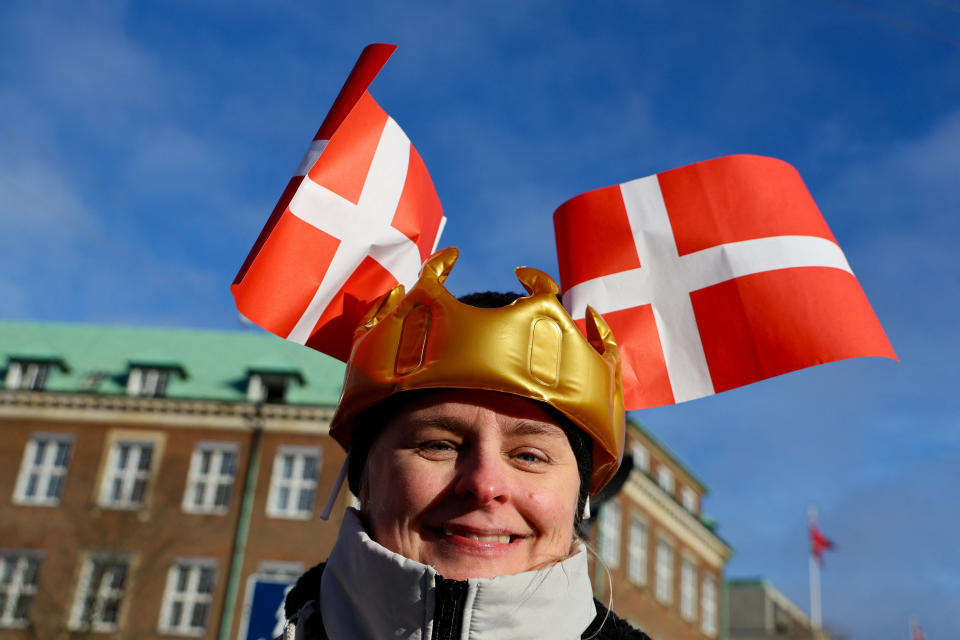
pixel 637 552
pixel 187 598
pixel 664 571
pixel 148 382
pixel 27 376
pixel 18 586
pixel 688 589
pixel 210 479
pixel 609 538
pixel 43 470
pixel 265 386
pixel 293 484
pixel 665 479
pixel 100 593
pixel 641 457
pixel 689 499
pixel 708 605
pixel 128 471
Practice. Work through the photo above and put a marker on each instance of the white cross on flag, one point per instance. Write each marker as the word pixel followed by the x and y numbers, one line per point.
pixel 713 276
pixel 359 216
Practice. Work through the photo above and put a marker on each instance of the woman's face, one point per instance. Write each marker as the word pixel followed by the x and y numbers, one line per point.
pixel 474 483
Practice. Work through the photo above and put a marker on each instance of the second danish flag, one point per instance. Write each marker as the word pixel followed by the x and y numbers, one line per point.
pixel 713 276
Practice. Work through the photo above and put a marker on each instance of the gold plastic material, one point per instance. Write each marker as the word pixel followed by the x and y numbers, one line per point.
pixel 427 339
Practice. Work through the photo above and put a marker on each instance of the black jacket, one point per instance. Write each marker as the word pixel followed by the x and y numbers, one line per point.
pixel 449 610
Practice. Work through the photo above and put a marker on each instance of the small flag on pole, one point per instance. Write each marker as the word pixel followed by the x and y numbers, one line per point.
pixel 359 216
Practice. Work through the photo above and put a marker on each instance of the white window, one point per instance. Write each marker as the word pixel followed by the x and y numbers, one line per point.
pixel 187 598
pixel 641 457
pixel 269 387
pixel 293 483
pixel 665 479
pixel 664 571
pixel 43 470
pixel 147 382
pixel 210 479
pixel 99 593
pixel 688 589
pixel 708 605
pixel 609 538
pixel 124 483
pixel 689 499
pixel 27 376
pixel 637 552
pixel 18 586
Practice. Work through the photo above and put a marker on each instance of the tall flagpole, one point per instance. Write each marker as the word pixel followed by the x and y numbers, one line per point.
pixel 815 614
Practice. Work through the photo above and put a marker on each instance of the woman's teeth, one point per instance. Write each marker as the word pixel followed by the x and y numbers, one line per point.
pixel 501 539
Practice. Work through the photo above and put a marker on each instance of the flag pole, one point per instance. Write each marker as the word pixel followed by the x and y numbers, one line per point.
pixel 815 613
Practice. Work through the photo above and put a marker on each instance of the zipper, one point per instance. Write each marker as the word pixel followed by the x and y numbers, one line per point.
pixel 448 609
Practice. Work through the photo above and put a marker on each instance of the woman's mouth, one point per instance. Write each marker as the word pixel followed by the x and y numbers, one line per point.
pixel 502 539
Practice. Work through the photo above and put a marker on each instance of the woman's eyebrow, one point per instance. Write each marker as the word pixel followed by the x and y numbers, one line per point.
pixel 534 428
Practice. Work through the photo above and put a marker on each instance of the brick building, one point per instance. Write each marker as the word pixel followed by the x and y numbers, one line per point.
pixel 665 560
pixel 156 483
pixel 146 474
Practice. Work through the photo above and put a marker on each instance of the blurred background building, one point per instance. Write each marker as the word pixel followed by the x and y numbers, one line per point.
pixel 160 483
pixel 759 611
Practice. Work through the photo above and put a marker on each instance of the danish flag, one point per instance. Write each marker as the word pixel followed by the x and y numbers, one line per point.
pixel 359 216
pixel 713 276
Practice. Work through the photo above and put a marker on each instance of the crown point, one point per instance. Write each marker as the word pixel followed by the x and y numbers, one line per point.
pixel 536 281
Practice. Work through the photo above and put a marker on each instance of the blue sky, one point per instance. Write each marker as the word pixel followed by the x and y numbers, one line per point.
pixel 142 146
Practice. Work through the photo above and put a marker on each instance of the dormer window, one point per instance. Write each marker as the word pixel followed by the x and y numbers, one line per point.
pixel 147 382
pixel 152 378
pixel 270 386
pixel 27 374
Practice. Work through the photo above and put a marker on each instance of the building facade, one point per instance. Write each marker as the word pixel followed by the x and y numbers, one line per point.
pixel 759 611
pixel 657 550
pixel 164 483
pixel 152 480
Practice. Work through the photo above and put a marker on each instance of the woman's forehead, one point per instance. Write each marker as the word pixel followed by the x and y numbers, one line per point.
pixel 460 408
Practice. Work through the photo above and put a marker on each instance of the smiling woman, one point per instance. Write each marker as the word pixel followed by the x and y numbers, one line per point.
pixel 474 438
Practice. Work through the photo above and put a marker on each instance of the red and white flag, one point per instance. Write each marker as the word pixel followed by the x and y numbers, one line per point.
pixel 818 542
pixel 713 276
pixel 359 216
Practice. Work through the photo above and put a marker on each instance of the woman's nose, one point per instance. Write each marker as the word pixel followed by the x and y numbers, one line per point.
pixel 482 476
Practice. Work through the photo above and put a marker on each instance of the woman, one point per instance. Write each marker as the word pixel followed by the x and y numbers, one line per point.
pixel 475 436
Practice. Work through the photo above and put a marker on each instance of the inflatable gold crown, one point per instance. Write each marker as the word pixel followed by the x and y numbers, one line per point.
pixel 427 339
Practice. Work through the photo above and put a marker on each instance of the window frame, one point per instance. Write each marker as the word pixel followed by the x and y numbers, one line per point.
pixel 666 479
pixel 104 592
pixel 689 499
pixel 144 381
pixel 212 482
pixel 689 578
pixel 295 485
pixel 708 606
pixel 46 471
pixel 18 587
pixel 609 534
pixel 191 596
pixel 664 571
pixel 641 457
pixel 128 476
pixel 637 551
pixel 27 375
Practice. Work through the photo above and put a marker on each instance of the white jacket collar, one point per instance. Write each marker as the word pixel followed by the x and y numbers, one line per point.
pixel 369 592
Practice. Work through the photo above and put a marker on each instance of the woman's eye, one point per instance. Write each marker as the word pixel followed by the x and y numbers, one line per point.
pixel 530 457
pixel 436 446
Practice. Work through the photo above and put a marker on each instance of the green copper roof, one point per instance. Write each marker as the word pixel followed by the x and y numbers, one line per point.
pixel 213 365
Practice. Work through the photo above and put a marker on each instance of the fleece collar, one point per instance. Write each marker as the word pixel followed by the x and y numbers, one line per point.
pixel 370 592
